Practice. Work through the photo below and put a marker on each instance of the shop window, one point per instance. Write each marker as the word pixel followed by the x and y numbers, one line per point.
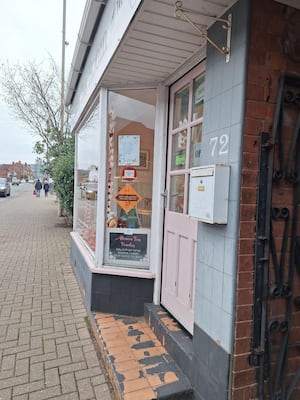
pixel 86 188
pixel 129 178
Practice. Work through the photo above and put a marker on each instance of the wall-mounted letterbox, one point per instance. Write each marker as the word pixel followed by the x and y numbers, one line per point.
pixel 208 197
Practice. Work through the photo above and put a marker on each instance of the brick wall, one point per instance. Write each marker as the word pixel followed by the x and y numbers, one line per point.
pixel 269 21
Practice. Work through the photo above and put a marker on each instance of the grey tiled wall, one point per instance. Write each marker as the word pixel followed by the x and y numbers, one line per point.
pixel 223 120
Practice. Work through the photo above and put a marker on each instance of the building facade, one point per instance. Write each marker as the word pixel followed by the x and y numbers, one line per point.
pixel 17 169
pixel 186 118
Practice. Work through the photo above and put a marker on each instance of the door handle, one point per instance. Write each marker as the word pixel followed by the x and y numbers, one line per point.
pixel 164 194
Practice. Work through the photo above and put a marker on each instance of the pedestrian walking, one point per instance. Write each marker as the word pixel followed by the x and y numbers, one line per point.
pixel 46 188
pixel 38 187
pixel 51 183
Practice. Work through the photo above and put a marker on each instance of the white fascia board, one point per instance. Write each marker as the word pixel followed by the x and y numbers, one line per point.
pixel 87 25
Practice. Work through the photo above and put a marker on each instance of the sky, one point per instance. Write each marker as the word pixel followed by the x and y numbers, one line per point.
pixel 30 30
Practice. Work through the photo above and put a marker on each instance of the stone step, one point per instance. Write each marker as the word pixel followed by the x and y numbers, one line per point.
pixel 176 340
pixel 139 366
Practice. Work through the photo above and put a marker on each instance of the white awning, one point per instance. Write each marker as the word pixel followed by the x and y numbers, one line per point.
pixel 155 45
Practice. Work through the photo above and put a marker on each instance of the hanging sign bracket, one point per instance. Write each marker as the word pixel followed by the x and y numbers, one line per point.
pixel 183 13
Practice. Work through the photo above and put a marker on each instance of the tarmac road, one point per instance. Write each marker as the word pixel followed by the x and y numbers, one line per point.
pixel 46 351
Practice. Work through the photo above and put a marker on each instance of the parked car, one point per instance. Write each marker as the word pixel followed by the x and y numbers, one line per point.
pixel 4 187
pixel 89 190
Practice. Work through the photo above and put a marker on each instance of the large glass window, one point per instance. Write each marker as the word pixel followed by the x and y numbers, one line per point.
pixel 87 179
pixel 129 178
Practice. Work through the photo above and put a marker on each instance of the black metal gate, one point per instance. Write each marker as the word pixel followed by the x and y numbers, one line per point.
pixel 275 346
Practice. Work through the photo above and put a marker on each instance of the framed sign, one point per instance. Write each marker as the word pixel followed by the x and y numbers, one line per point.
pixel 144 159
pixel 128 247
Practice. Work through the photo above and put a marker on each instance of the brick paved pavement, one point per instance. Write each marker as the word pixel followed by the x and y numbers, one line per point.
pixel 46 351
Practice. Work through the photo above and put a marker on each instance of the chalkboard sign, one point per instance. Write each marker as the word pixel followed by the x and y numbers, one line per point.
pixel 131 247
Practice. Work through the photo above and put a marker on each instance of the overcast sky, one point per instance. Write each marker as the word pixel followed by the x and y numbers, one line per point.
pixel 30 30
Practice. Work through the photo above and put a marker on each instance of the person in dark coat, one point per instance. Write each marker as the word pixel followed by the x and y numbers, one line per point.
pixel 38 187
pixel 46 188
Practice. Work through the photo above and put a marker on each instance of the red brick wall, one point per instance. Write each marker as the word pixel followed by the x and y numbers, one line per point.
pixel 266 61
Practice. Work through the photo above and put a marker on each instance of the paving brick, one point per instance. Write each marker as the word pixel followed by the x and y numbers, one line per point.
pixel 102 392
pixel 22 366
pixel 67 339
pixel 28 387
pixel 69 396
pixel 13 381
pixel 91 359
pixel 50 393
pixel 36 372
pixel 85 389
pixel 83 333
pixel 8 344
pixel 5 394
pixel 77 354
pixel 8 362
pixel 7 374
pixel 24 396
pixel 30 353
pixel 43 358
pixel 36 342
pixel 16 349
pixel 63 350
pixel 24 338
pixel 72 367
pixel 49 346
pixel 68 383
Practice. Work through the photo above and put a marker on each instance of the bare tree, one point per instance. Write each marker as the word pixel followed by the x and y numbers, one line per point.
pixel 33 95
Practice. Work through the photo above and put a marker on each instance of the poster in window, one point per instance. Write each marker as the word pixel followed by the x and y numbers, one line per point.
pixel 129 150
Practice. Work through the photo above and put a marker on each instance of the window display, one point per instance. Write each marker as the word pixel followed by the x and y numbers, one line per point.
pixel 87 180
pixel 129 178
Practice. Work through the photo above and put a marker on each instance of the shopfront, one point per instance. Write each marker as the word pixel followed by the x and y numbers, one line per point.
pixel 140 125
pixel 152 102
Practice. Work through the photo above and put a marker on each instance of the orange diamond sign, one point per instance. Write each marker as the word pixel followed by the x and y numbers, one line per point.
pixel 127 198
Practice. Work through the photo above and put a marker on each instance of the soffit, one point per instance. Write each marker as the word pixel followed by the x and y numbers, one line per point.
pixel 157 43
pixel 291 3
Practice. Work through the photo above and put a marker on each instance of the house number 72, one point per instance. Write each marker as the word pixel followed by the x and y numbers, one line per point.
pixel 219 144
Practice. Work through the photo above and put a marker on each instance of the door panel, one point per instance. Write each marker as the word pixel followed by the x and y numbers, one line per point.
pixel 180 231
pixel 178 267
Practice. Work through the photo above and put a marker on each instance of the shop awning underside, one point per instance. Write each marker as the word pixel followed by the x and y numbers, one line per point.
pixel 155 46
pixel 158 43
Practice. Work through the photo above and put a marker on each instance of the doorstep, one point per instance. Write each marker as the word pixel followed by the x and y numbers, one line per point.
pixel 139 366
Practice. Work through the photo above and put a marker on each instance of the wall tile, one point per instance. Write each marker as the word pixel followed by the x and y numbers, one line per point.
pixel 216 323
pixel 226 333
pixel 205 315
pixel 207 282
pixel 237 104
pixel 218 253
pixel 217 289
pixel 228 291
pixel 230 256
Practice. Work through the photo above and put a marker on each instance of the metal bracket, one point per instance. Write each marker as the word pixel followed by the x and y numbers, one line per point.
pixel 182 13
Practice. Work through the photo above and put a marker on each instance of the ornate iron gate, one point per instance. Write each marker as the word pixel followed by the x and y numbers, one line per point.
pixel 275 349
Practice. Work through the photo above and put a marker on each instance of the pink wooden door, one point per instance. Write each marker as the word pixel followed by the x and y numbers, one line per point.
pixel 180 231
